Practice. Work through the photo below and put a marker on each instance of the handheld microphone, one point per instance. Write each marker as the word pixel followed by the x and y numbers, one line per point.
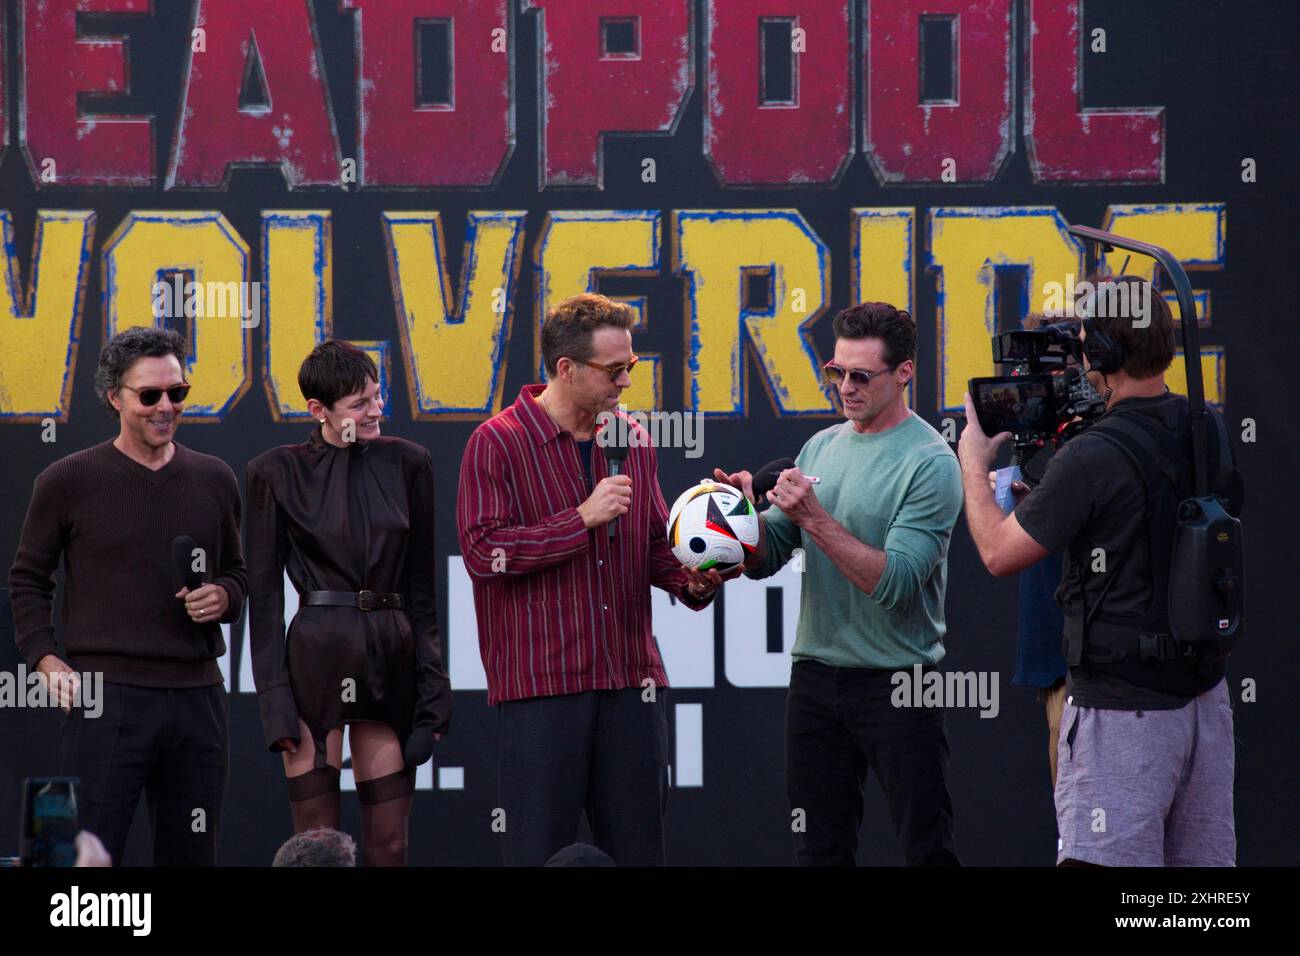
pixel 615 455
pixel 183 549
pixel 765 480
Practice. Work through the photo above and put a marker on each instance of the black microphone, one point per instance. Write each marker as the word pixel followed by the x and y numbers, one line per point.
pixel 615 455
pixel 765 479
pixel 183 549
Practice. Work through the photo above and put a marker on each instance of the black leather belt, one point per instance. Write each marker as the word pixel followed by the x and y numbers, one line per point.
pixel 365 600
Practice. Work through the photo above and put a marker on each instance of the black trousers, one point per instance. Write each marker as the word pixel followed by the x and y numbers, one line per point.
pixel 170 744
pixel 605 752
pixel 840 722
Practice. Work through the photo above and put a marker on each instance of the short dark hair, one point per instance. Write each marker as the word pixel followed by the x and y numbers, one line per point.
pixel 334 370
pixel 1148 349
pixel 880 320
pixel 569 326
pixel 319 846
pixel 126 348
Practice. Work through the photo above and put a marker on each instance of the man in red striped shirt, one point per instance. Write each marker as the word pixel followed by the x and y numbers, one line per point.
pixel 563 603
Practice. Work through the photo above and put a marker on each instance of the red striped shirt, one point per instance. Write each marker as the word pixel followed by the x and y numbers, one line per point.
pixel 560 609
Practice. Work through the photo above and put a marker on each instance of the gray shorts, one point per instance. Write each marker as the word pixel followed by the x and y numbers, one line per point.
pixel 1148 788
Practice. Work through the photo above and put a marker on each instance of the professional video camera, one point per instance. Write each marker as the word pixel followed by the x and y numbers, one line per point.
pixel 1194 544
pixel 1044 396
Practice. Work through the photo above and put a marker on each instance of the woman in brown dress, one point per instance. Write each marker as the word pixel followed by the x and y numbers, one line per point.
pixel 349 514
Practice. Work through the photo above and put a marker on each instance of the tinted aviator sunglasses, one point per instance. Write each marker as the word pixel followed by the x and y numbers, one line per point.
pixel 151 396
pixel 834 374
pixel 614 370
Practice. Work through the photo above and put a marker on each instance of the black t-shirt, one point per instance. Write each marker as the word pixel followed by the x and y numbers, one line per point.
pixel 584 452
pixel 1091 490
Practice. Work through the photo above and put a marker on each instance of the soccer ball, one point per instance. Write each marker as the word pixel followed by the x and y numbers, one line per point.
pixel 712 526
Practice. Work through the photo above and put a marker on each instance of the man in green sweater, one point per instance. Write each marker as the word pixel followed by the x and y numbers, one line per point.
pixel 873 534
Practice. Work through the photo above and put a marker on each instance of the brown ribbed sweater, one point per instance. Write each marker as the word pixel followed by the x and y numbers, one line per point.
pixel 113 521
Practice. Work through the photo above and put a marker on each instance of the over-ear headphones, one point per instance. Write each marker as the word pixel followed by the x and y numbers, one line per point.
pixel 1105 355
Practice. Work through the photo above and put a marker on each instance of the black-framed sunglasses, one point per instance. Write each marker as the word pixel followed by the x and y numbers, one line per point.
pixel 834 374
pixel 614 370
pixel 151 396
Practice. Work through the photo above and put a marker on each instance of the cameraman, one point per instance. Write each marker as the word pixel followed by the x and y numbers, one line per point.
pixel 1146 748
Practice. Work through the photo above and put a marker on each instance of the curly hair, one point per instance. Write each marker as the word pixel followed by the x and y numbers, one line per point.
pixel 319 846
pixel 125 349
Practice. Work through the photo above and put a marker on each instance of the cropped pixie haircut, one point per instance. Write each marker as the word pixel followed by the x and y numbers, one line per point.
pixel 334 370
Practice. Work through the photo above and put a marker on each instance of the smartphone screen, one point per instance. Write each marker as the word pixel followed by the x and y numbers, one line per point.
pixel 49 836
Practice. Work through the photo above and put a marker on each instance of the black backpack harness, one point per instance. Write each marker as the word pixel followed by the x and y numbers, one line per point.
pixel 1159 648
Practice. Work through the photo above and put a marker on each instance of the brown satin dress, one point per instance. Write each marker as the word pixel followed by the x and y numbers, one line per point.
pixel 344 519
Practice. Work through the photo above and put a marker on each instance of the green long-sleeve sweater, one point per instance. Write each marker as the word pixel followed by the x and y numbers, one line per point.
pixel 898 491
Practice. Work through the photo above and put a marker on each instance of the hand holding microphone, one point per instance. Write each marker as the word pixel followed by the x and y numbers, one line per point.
pixel 203 602
pixel 206 604
pixel 611 497
pixel 615 455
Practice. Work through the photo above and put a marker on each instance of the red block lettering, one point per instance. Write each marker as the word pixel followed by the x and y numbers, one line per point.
pixel 294 131
pixel 963 139
pixel 1066 142
pixel 57 64
pixel 804 134
pixel 462 142
pixel 587 91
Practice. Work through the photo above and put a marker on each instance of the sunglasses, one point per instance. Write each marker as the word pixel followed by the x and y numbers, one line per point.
pixel 834 374
pixel 151 396
pixel 614 370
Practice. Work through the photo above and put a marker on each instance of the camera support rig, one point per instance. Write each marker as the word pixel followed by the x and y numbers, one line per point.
pixel 1109 241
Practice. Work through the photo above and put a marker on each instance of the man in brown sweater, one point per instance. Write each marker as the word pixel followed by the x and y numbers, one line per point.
pixel 112 512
